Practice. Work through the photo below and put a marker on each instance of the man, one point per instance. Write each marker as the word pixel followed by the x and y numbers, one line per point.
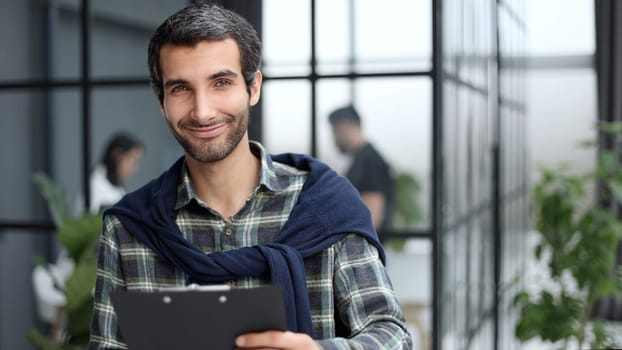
pixel 369 172
pixel 229 212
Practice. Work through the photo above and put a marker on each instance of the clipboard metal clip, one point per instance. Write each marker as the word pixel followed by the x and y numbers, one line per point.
pixel 198 288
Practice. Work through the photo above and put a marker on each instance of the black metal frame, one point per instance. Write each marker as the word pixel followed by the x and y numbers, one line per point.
pixel 85 84
pixel 437 172
pixel 497 190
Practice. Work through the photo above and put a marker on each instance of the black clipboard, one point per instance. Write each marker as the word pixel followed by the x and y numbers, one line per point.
pixel 196 317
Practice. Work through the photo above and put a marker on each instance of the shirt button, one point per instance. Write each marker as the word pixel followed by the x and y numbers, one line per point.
pixel 228 232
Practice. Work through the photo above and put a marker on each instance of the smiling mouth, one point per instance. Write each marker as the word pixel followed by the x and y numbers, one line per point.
pixel 207 132
pixel 210 130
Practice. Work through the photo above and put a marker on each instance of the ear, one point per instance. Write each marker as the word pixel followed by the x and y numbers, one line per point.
pixel 255 90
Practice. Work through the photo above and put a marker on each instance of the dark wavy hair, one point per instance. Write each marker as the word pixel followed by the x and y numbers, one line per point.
pixel 118 145
pixel 199 22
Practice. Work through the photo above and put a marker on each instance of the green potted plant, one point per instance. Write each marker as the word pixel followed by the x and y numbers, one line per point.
pixel 79 237
pixel 578 242
pixel 406 208
pixel 407 211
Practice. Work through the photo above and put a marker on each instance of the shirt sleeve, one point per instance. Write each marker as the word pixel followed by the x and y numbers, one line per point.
pixel 104 332
pixel 365 302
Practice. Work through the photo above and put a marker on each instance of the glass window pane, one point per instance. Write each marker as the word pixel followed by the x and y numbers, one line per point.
pixel 561 97
pixel 452 35
pixel 334 35
pixel 286 116
pixel 67 148
pixel 286 37
pixel 332 94
pixel 511 34
pixel 409 267
pixel 19 310
pixel 559 27
pixel 120 34
pixel 488 286
pixel 20 152
pixel 66 56
pixel 393 35
pixel 460 292
pixel 134 110
pixel 23 152
pixel 460 142
pixel 396 120
pixel 21 35
pixel 474 253
pixel 30 120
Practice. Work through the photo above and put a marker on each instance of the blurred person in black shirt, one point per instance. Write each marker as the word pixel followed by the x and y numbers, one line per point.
pixel 368 172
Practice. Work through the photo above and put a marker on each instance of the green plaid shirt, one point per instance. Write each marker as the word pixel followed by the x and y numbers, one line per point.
pixel 348 286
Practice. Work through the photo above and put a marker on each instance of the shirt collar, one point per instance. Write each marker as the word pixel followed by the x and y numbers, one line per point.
pixel 270 179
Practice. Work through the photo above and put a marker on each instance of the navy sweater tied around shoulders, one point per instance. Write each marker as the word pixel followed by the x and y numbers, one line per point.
pixel 328 208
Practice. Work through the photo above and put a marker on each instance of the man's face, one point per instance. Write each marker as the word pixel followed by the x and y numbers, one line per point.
pixel 127 163
pixel 340 133
pixel 206 101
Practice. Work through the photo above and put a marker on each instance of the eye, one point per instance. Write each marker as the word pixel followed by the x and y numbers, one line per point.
pixel 222 83
pixel 179 88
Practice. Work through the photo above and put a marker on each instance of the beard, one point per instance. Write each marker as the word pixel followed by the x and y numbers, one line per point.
pixel 341 147
pixel 206 151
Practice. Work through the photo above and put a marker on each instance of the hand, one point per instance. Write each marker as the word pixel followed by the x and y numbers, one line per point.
pixel 276 340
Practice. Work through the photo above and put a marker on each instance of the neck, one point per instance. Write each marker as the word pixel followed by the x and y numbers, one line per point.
pixel 225 185
pixel 357 143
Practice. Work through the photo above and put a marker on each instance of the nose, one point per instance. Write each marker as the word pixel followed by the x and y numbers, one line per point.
pixel 203 107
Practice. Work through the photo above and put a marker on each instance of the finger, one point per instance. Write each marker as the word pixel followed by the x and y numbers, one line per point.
pixel 274 339
pixel 260 339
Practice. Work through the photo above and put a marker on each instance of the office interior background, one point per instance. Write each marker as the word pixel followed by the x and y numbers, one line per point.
pixel 466 97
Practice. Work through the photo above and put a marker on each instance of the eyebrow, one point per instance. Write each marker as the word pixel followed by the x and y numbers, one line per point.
pixel 223 73
pixel 220 74
pixel 173 82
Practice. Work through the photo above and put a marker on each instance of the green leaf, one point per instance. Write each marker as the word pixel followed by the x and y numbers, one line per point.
pixel 616 188
pixel 608 165
pixel 588 144
pixel 55 197
pixel 552 318
pixel 407 212
pixel 610 127
pixel 78 235
pixel 79 286
pixel 521 298
pixel 618 282
pixel 600 335
pixel 41 341
pixel 79 323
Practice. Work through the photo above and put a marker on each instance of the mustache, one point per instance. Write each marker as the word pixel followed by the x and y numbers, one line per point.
pixel 193 124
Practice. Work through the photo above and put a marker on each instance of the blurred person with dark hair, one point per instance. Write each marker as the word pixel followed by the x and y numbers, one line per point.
pixel 368 172
pixel 230 212
pixel 120 160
